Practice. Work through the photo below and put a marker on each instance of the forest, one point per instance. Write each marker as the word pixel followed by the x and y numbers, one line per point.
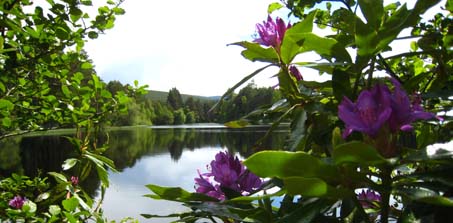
pixel 157 108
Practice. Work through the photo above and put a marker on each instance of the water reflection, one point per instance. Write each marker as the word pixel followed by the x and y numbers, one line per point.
pixel 163 156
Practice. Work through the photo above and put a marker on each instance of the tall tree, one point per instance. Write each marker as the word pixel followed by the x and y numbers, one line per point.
pixel 174 99
pixel 47 79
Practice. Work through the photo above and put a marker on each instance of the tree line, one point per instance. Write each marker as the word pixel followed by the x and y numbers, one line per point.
pixel 174 110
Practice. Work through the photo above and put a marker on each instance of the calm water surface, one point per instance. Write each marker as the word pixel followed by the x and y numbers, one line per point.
pixel 167 156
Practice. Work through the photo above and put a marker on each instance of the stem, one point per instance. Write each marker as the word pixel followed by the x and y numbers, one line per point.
pixel 370 72
pixel 385 193
pixel 388 69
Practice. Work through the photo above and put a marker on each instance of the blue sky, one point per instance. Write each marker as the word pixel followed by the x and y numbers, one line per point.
pixel 183 44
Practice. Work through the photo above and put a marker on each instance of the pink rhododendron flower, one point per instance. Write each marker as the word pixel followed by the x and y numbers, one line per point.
pixel 369 113
pixel 295 72
pixel 403 111
pixel 226 172
pixel 17 202
pixel 74 180
pixel 379 106
pixel 369 198
pixel 271 33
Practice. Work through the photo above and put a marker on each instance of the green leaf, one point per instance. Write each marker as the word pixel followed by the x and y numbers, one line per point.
pixel 29 207
pixel 366 39
pixel 62 33
pixel 58 177
pixel 312 187
pixel 6 122
pixel 449 5
pixel 289 88
pixel 357 152
pixel 176 194
pixel 6 104
pixel 42 196
pixel 290 47
pixel 341 84
pixel 373 10
pixel 118 11
pixel 255 52
pixel 297 129
pixel 54 210
pixel 2 86
pixel 69 163
pixel 284 164
pixel 437 200
pixel 86 66
pixel 66 91
pixel 87 2
pixel 70 204
pixel 93 35
pixel 103 175
pixel 325 47
pixel 273 7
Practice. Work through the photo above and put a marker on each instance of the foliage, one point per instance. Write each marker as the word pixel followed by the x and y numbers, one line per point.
pixel 48 81
pixel 384 155
pixel 174 99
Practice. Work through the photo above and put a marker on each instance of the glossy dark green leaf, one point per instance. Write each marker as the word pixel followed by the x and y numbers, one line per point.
pixel 58 177
pixel 437 200
pixel 297 130
pixel 290 47
pixel 70 204
pixel 449 5
pixel 358 153
pixel 69 163
pixel 255 52
pixel 176 194
pixel 312 187
pixel 284 164
pixel 373 10
pixel 93 35
pixel 366 39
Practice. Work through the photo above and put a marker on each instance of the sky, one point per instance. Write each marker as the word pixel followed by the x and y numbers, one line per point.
pixel 183 44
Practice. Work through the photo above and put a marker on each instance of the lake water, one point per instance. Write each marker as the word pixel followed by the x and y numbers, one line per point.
pixel 164 155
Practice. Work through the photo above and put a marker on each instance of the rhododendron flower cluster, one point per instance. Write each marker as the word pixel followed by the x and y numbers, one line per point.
pixel 226 171
pixel 378 107
pixel 17 202
pixel 368 198
pixel 272 32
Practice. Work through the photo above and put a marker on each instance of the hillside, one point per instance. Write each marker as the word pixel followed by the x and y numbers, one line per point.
pixel 162 96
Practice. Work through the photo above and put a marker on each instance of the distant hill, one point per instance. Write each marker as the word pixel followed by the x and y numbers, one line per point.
pixel 162 96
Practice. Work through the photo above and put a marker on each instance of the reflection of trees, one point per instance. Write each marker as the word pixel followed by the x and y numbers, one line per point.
pixel 27 155
pixel 126 146
pixel 44 153
pixel 10 160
